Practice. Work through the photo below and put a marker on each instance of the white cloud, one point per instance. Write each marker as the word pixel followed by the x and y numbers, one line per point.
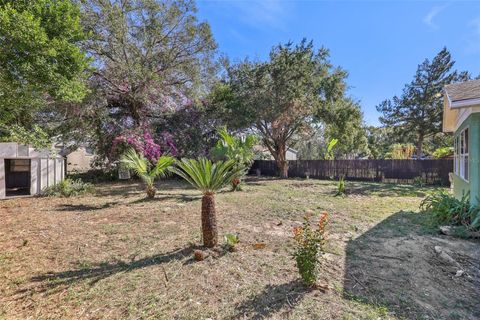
pixel 264 13
pixel 259 14
pixel 431 15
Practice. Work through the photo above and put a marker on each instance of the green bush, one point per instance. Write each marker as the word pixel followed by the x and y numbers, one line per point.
pixel 95 175
pixel 446 209
pixel 310 246
pixel 443 152
pixel 68 188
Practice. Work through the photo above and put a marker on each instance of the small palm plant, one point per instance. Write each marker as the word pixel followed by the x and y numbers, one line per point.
pixel 239 149
pixel 145 170
pixel 209 178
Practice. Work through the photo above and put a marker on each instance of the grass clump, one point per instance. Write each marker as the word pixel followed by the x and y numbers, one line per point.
pixel 69 188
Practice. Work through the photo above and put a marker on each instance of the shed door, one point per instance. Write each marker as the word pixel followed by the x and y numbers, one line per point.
pixel 17 177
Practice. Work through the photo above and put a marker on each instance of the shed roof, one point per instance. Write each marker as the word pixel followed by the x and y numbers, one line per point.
pixel 463 91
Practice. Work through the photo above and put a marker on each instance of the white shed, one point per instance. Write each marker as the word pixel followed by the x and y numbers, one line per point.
pixel 26 171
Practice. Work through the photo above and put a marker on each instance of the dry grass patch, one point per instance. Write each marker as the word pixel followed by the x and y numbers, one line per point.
pixel 115 254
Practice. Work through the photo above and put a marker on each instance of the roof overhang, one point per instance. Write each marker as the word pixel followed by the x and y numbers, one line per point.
pixel 464 103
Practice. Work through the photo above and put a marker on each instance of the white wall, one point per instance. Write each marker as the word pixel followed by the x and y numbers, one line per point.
pixel 34 176
pixel 2 178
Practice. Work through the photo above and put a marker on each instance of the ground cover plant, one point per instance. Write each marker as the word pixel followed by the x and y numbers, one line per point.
pixel 444 208
pixel 69 188
pixel 113 255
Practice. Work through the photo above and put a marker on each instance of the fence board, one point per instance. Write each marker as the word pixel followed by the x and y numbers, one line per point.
pixel 432 172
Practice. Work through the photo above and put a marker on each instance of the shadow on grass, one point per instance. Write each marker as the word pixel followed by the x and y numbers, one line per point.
pixel 52 282
pixel 272 299
pixel 385 189
pixel 163 197
pixel 394 265
pixel 135 187
pixel 85 207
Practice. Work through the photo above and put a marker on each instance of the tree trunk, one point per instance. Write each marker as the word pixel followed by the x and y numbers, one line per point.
pixel 209 221
pixel 283 167
pixel 420 145
pixel 282 162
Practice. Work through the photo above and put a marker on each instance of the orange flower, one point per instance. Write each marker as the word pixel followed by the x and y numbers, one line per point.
pixel 297 231
pixel 322 223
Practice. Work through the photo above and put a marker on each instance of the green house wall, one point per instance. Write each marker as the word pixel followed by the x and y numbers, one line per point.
pixel 460 186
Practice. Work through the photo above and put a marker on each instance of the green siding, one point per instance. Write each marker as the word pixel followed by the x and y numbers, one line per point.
pixel 460 186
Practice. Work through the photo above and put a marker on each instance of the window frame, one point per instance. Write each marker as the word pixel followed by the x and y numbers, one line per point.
pixel 461 155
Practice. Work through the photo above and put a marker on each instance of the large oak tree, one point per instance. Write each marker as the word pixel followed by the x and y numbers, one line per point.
pixel 280 97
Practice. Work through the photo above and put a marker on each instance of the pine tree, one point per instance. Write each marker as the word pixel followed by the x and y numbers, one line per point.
pixel 419 109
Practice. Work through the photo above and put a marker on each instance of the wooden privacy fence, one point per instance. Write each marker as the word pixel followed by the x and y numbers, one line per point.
pixel 433 172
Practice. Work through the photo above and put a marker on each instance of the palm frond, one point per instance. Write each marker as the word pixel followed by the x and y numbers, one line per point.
pixel 136 162
pixel 206 176
pixel 161 168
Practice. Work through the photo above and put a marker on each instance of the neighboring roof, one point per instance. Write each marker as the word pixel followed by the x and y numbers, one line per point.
pixel 292 150
pixel 262 148
pixel 464 91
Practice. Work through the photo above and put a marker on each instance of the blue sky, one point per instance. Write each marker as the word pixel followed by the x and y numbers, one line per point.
pixel 380 43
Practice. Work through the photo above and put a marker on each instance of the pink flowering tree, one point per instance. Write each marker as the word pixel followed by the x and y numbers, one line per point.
pixel 144 144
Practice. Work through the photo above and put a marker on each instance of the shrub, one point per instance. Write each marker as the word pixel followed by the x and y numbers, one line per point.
pixel 446 209
pixel 443 152
pixel 95 175
pixel 68 188
pixel 310 244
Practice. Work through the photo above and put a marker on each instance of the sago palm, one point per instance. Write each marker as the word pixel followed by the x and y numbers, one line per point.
pixel 239 149
pixel 147 171
pixel 209 178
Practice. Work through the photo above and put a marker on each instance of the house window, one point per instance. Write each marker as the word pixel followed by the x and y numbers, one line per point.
pixel 461 154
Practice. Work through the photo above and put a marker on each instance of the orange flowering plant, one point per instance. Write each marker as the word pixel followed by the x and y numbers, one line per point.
pixel 310 244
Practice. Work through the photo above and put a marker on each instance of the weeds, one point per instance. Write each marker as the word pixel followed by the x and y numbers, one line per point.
pixel 231 241
pixel 69 188
pixel 341 189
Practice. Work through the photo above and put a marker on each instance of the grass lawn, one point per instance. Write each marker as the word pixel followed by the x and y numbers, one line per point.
pixel 116 255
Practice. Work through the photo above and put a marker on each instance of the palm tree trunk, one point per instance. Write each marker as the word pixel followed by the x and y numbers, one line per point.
pixel 151 191
pixel 235 183
pixel 209 221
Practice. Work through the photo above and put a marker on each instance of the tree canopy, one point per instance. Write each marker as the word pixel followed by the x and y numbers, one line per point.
pixel 280 97
pixel 152 58
pixel 150 55
pixel 41 62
